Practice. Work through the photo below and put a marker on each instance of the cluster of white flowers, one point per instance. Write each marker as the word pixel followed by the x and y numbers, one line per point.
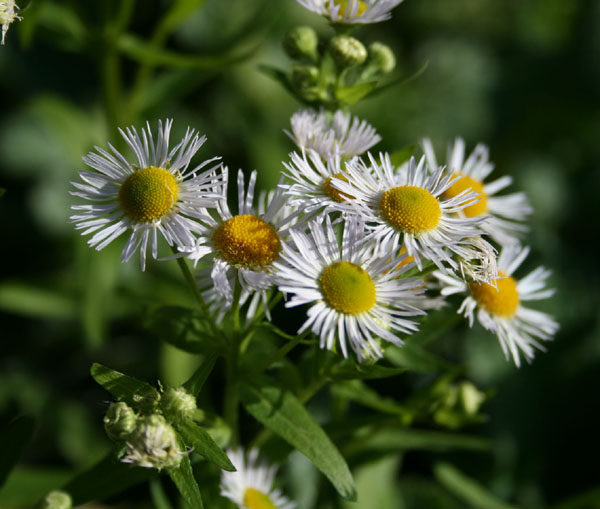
pixel 352 237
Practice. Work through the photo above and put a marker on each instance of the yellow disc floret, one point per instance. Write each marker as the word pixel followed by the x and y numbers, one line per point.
pixel 254 499
pixel 348 288
pixel 503 301
pixel 344 4
pixel 478 208
pixel 248 241
pixel 410 209
pixel 333 192
pixel 148 194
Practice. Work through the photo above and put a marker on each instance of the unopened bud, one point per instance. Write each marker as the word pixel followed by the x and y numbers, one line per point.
pixel 381 58
pixel 120 421
pixel 471 398
pixel 56 500
pixel 177 404
pixel 301 42
pixel 153 444
pixel 305 76
pixel 347 51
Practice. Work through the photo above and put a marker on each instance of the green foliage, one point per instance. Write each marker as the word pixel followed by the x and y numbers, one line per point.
pixel 281 412
pixel 196 437
pixel 125 388
pixel 13 441
pixel 183 478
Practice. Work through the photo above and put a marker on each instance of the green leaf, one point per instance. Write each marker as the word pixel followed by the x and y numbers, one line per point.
pixel 35 302
pixel 183 328
pixel 399 157
pixel 108 477
pixel 149 54
pixel 281 412
pixel 180 12
pixel 401 80
pixel 356 390
pixel 196 381
pixel 198 438
pixel 121 386
pixel 351 95
pixel 377 485
pixel 159 497
pixel 12 443
pixel 183 477
pixel 467 489
pixel 414 358
pixel 349 370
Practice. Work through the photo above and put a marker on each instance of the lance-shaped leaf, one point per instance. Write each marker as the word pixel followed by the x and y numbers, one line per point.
pixel 12 443
pixel 351 95
pixel 123 387
pixel 281 412
pixel 183 477
pixel 195 383
pixel 348 369
pixel 196 437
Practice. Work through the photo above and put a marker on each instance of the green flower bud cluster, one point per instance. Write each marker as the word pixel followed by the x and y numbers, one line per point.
pixel 324 70
pixel 456 405
pixel 146 430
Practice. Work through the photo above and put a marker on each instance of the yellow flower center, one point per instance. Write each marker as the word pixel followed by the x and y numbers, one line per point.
pixel 344 4
pixel 347 288
pixel 254 499
pixel 410 209
pixel 248 241
pixel 148 194
pixel 478 208
pixel 334 193
pixel 502 302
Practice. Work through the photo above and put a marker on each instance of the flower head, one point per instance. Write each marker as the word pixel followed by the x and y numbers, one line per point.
pixel 8 14
pixel 355 294
pixel 407 207
pixel 155 194
pixel 243 245
pixel 331 136
pixel 352 11
pixel 500 308
pixel 251 485
pixel 505 214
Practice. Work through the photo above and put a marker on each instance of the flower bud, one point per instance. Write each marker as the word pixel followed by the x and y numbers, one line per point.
pixel 120 421
pixel 305 76
pixel 56 500
pixel 8 14
pixel 153 444
pixel 470 398
pixel 177 404
pixel 347 51
pixel 301 42
pixel 381 58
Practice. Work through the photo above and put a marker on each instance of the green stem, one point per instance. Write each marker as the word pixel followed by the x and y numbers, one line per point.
pixel 281 353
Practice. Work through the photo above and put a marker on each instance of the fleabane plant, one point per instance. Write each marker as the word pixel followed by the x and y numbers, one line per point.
pixel 8 15
pixel 352 259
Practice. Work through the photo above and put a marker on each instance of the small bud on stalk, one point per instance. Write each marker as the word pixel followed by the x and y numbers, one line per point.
pixel 177 404
pixel 347 51
pixel 120 421
pixel 56 500
pixel 301 42
pixel 381 58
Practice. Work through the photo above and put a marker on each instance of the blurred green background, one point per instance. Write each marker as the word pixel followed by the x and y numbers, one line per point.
pixel 521 76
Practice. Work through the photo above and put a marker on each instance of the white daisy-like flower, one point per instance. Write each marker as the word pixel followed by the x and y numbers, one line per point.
pixel 155 194
pixel 311 189
pixel 247 243
pixel 330 135
pixel 8 14
pixel 407 208
pixel 352 11
pixel 505 213
pixel 356 296
pixel 499 308
pixel 251 486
